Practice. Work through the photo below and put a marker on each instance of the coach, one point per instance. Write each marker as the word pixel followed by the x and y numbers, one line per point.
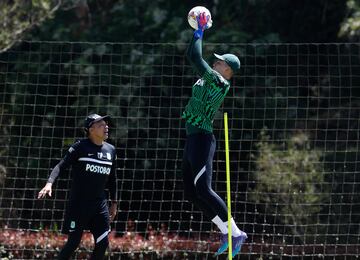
pixel 93 164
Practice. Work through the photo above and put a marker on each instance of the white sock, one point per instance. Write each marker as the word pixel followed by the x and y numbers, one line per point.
pixel 235 231
pixel 220 224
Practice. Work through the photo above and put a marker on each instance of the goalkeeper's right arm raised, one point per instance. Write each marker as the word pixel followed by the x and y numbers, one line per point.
pixel 194 53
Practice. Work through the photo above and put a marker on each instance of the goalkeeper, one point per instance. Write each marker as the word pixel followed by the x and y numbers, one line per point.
pixel 208 94
pixel 93 169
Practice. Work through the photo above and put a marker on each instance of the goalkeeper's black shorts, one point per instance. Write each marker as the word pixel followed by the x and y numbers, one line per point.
pixel 89 215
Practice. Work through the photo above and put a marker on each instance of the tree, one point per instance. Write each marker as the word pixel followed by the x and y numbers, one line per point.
pixel 17 17
pixel 289 183
pixel 350 27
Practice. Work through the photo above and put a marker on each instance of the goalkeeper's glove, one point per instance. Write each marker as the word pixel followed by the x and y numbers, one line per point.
pixel 202 21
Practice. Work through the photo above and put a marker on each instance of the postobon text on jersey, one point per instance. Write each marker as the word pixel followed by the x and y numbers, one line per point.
pixel 97 169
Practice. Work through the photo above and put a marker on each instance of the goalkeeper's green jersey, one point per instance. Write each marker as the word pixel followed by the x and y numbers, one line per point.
pixel 208 94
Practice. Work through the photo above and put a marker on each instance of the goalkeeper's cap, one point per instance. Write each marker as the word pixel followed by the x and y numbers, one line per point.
pixel 230 59
pixel 93 118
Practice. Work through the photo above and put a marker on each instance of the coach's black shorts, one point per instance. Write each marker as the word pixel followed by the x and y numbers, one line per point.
pixel 87 215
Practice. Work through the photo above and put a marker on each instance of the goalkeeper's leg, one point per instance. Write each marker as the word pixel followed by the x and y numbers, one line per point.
pixel 197 174
pixel 190 190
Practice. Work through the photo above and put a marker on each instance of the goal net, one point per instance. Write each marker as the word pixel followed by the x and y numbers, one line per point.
pixel 293 113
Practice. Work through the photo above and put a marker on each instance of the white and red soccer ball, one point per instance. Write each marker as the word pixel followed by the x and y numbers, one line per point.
pixel 194 12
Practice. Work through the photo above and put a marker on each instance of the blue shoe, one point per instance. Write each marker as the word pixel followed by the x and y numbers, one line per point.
pixel 224 244
pixel 237 243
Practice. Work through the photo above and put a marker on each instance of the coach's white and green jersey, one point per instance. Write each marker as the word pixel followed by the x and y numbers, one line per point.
pixel 208 93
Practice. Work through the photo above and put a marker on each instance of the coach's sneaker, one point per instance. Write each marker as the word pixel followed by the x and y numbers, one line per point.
pixel 237 243
pixel 224 244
